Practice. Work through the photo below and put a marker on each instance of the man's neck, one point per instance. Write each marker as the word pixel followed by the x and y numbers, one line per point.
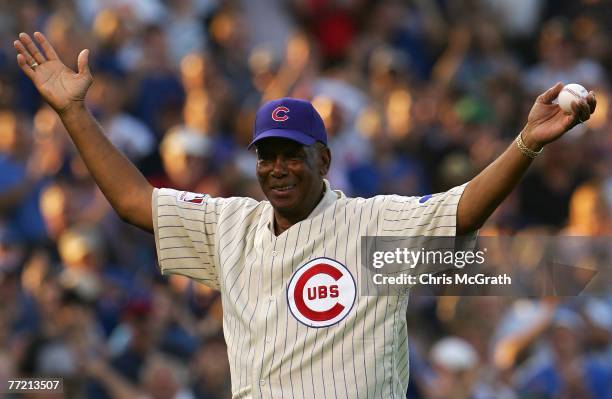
pixel 281 224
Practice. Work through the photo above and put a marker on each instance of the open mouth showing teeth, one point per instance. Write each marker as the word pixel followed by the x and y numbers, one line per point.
pixel 284 188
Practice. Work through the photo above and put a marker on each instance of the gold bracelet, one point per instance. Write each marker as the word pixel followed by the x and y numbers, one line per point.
pixel 528 152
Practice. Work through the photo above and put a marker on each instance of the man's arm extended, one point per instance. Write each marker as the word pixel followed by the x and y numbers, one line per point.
pixel 546 123
pixel 124 186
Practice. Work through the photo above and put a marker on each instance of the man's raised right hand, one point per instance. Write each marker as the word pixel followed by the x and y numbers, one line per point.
pixel 65 92
pixel 59 85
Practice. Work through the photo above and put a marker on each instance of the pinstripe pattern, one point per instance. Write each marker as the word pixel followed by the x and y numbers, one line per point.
pixel 228 244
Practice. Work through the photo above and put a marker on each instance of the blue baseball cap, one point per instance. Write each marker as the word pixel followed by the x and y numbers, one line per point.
pixel 291 119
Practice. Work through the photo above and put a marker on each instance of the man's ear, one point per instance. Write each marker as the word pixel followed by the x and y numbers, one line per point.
pixel 325 159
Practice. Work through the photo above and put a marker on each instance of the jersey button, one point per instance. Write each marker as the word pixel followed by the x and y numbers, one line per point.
pixel 272 299
pixel 268 339
pixel 262 382
pixel 274 253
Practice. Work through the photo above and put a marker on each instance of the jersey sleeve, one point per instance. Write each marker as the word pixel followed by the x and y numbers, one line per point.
pixel 430 215
pixel 185 226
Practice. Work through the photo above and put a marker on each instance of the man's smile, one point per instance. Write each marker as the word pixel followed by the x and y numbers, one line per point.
pixel 282 190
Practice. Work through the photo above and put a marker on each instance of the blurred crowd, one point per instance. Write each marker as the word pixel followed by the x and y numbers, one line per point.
pixel 417 96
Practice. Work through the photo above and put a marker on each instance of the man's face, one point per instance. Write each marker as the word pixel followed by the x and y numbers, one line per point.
pixel 291 175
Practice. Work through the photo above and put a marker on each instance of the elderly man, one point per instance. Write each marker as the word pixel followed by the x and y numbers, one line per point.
pixel 288 268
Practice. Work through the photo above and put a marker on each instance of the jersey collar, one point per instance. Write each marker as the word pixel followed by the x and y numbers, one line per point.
pixel 328 199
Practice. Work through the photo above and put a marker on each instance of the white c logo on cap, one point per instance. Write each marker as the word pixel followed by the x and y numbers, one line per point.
pixel 280 114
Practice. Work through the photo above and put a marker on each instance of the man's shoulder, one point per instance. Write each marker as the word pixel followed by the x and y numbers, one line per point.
pixel 244 202
pixel 192 200
pixel 245 205
pixel 379 199
pixel 386 203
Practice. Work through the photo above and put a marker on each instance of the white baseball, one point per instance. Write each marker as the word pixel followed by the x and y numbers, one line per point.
pixel 571 92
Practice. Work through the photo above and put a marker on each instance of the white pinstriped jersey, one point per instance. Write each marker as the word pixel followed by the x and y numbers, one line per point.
pixel 284 337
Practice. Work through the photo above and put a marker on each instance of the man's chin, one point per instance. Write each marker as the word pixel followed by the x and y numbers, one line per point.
pixel 282 199
pixel 282 205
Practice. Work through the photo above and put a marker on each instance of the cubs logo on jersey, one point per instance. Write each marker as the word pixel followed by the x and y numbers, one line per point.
pixel 321 293
pixel 280 114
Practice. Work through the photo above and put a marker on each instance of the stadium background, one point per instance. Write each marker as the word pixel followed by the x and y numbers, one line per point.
pixel 417 96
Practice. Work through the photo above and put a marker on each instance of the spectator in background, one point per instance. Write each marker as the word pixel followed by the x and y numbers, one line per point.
pixel 589 213
pixel 184 23
pixel 161 378
pixel 210 369
pixel 23 176
pixel 228 46
pixel 561 371
pixel 349 147
pixel 560 60
pixel 518 19
pixel 108 101
pixel 87 271
pixel 134 340
pixel 454 362
pixel 186 154
pixel 199 73
pixel 555 179
pixel 174 325
pixel 270 23
pixel 55 209
pixel 17 309
pixel 597 342
pixel 111 31
pixel 71 330
pixel 159 94
pixel 332 23
pixel 165 378
pixel 458 373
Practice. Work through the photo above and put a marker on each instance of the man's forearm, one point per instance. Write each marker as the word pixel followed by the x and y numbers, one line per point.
pixel 490 187
pixel 546 122
pixel 123 185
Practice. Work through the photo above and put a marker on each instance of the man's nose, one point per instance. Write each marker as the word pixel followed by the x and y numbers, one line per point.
pixel 280 166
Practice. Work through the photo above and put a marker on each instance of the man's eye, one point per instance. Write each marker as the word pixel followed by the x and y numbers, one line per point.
pixel 296 156
pixel 264 157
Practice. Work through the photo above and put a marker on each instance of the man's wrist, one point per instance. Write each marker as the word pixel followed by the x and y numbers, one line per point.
pixel 530 142
pixel 525 149
pixel 75 107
